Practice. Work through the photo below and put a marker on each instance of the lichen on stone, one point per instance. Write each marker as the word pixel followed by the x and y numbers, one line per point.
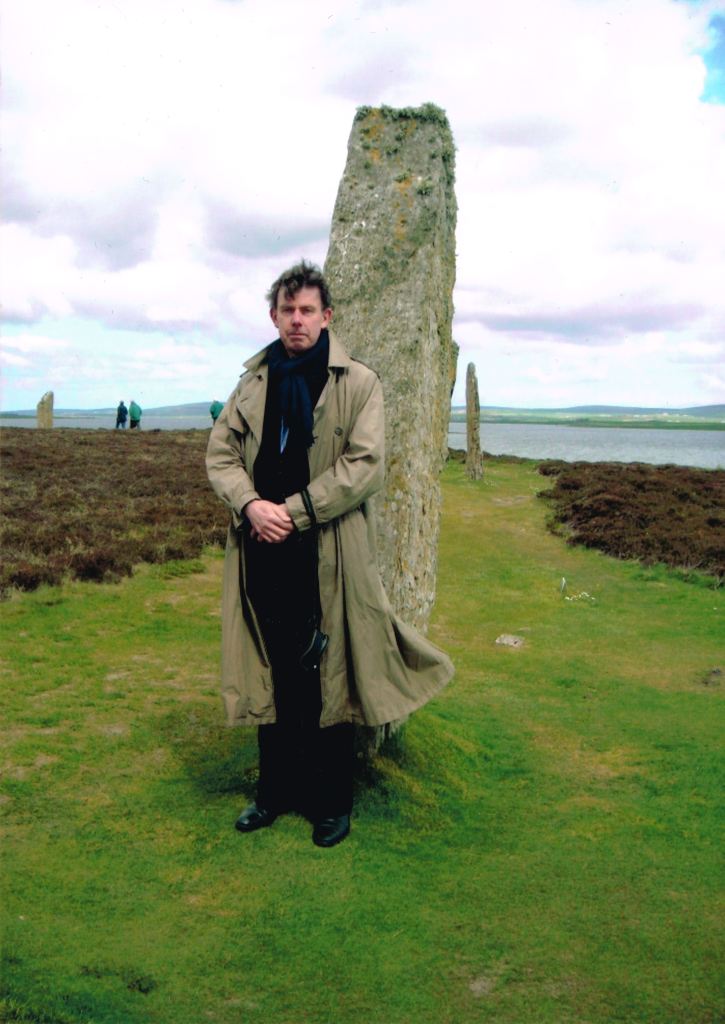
pixel 393 286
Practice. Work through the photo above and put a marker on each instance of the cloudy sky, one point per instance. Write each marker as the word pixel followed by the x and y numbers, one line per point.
pixel 163 161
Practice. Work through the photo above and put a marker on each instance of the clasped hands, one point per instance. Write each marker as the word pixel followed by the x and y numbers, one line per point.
pixel 270 522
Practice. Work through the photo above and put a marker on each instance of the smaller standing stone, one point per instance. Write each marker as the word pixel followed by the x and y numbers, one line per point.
pixel 474 459
pixel 44 411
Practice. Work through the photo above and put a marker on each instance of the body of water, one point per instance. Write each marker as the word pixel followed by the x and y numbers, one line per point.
pixel 704 448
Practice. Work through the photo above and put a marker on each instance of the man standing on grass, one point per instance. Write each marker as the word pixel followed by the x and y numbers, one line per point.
pixel 310 645
pixel 134 413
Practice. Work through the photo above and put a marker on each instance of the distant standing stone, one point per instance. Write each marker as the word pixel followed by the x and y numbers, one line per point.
pixel 474 459
pixel 44 411
pixel 391 269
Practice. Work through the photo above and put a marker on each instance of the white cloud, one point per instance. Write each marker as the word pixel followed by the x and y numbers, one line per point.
pixel 712 383
pixel 34 344
pixel 13 359
pixel 165 161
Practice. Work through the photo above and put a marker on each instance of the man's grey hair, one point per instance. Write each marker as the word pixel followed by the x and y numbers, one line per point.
pixel 301 275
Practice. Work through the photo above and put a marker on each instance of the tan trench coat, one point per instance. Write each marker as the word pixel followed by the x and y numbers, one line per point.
pixel 376 669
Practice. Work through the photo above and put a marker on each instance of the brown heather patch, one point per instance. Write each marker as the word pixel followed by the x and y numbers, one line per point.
pixel 91 504
pixel 668 514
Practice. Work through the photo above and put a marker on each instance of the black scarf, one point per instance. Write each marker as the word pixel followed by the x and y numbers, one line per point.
pixel 280 576
pixel 293 379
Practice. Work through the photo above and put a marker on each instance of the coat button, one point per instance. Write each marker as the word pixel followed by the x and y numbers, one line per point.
pixel 338 431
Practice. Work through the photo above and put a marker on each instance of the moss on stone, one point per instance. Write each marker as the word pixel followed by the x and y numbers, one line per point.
pixel 392 276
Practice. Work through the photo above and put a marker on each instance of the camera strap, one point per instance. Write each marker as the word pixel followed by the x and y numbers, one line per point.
pixel 315 579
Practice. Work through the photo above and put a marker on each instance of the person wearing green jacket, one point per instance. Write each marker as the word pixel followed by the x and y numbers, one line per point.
pixel 134 415
pixel 214 409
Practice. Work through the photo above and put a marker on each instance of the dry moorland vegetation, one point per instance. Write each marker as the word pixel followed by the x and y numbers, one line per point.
pixel 90 504
pixel 668 514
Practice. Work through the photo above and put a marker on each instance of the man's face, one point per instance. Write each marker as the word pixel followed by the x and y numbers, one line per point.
pixel 300 318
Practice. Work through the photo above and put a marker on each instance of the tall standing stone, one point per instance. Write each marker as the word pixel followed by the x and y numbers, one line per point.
pixel 44 411
pixel 391 269
pixel 474 459
pixel 453 365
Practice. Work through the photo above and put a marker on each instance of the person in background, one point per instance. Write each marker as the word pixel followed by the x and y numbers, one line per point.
pixel 214 409
pixel 121 416
pixel 134 412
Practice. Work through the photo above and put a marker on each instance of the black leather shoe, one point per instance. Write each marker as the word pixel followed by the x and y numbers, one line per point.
pixel 254 817
pixel 331 831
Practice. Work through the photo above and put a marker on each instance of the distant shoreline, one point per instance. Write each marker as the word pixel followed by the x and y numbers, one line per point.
pixel 603 420
pixel 623 422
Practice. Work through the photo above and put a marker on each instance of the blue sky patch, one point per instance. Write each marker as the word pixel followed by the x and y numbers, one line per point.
pixel 714 57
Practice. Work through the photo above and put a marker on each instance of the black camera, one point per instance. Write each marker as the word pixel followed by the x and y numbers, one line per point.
pixel 310 656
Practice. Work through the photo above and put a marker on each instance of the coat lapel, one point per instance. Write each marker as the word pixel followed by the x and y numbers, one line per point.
pixel 338 359
pixel 254 396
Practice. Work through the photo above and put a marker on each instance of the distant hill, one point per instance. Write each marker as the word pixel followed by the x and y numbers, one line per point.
pixel 711 412
pixel 190 409
pixel 707 411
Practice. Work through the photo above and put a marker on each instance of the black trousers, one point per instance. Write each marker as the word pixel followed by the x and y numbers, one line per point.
pixel 301 766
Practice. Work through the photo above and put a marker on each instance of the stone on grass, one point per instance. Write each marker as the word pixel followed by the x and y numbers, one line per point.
pixel 510 640
pixel 474 458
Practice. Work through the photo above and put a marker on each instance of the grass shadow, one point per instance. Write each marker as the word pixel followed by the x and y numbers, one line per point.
pixel 217 759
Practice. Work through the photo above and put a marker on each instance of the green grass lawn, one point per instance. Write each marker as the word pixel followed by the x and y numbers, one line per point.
pixel 541 845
